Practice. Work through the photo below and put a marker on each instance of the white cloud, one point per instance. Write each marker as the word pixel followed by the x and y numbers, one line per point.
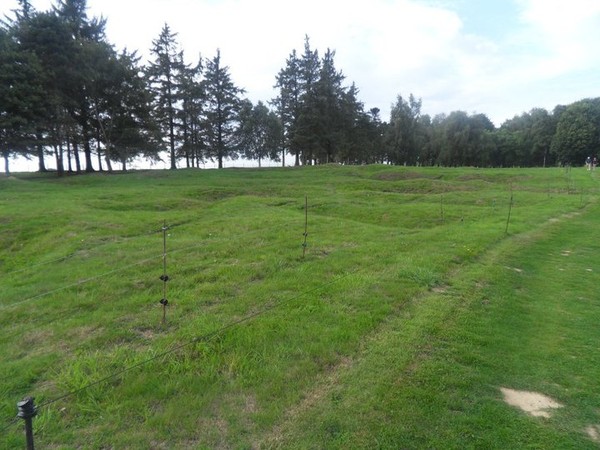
pixel 388 47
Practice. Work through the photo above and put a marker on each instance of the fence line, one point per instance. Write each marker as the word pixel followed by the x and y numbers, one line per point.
pixel 78 283
pixel 205 337
pixel 81 282
pixel 70 255
pixel 13 421
pixel 87 280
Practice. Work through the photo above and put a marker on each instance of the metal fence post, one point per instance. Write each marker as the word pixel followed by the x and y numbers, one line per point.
pixel 27 411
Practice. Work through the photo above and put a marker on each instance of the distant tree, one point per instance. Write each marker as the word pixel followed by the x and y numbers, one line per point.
pixel 123 112
pixel 375 132
pixel 319 128
pixel 577 132
pixel 307 128
pixel 191 114
pixel 423 141
pixel 403 132
pixel 530 137
pixel 323 120
pixel 88 37
pixel 164 76
pixel 338 110
pixel 20 90
pixel 543 127
pixel 223 105
pixel 287 104
pixel 49 40
pixel 466 140
pixel 23 91
pixel 259 132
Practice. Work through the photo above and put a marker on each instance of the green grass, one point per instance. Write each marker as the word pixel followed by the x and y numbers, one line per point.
pixel 410 310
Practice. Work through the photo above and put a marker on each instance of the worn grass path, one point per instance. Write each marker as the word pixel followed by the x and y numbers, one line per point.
pixel 525 315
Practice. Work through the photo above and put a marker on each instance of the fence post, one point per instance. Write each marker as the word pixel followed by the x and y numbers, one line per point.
pixel 164 277
pixel 27 411
pixel 305 234
pixel 509 210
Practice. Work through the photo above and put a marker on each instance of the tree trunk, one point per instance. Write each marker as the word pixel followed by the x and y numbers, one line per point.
pixel 5 154
pixel 70 167
pixel 99 151
pixel 40 153
pixel 107 160
pixel 58 154
pixel 88 153
pixel 76 154
pixel 172 142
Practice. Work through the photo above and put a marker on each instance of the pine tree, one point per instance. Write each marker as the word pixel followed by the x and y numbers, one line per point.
pixel 193 97
pixel 48 39
pixel 88 37
pixel 306 126
pixel 287 104
pixel 223 105
pixel 164 75
pixel 20 94
pixel 123 112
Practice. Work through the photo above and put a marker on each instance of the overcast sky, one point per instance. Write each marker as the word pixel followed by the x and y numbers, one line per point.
pixel 497 57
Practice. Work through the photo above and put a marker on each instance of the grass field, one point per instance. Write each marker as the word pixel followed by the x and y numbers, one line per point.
pixel 418 299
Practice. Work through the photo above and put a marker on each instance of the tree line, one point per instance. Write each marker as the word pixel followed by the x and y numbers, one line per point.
pixel 66 93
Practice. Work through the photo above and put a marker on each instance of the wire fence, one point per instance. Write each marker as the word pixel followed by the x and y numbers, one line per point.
pixel 268 306
pixel 206 337
pixel 33 409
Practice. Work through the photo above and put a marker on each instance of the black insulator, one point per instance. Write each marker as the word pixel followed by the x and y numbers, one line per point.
pixel 164 301
pixel 26 408
pixel 164 278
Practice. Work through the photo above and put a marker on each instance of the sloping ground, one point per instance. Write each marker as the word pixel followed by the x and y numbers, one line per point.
pixel 523 317
pixel 413 308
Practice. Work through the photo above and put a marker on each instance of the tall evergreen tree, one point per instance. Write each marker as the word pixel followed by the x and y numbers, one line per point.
pixel 306 127
pixel 48 38
pixel 287 104
pixel 223 105
pixel 190 116
pixel 164 75
pixel 20 94
pixel 123 112
pixel 88 36
pixel 323 121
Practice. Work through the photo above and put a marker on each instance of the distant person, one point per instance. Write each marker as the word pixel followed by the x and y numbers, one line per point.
pixel 588 163
pixel 594 163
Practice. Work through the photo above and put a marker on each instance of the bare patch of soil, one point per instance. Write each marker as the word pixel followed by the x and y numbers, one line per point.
pixel 532 403
pixel 593 431
pixel 440 289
